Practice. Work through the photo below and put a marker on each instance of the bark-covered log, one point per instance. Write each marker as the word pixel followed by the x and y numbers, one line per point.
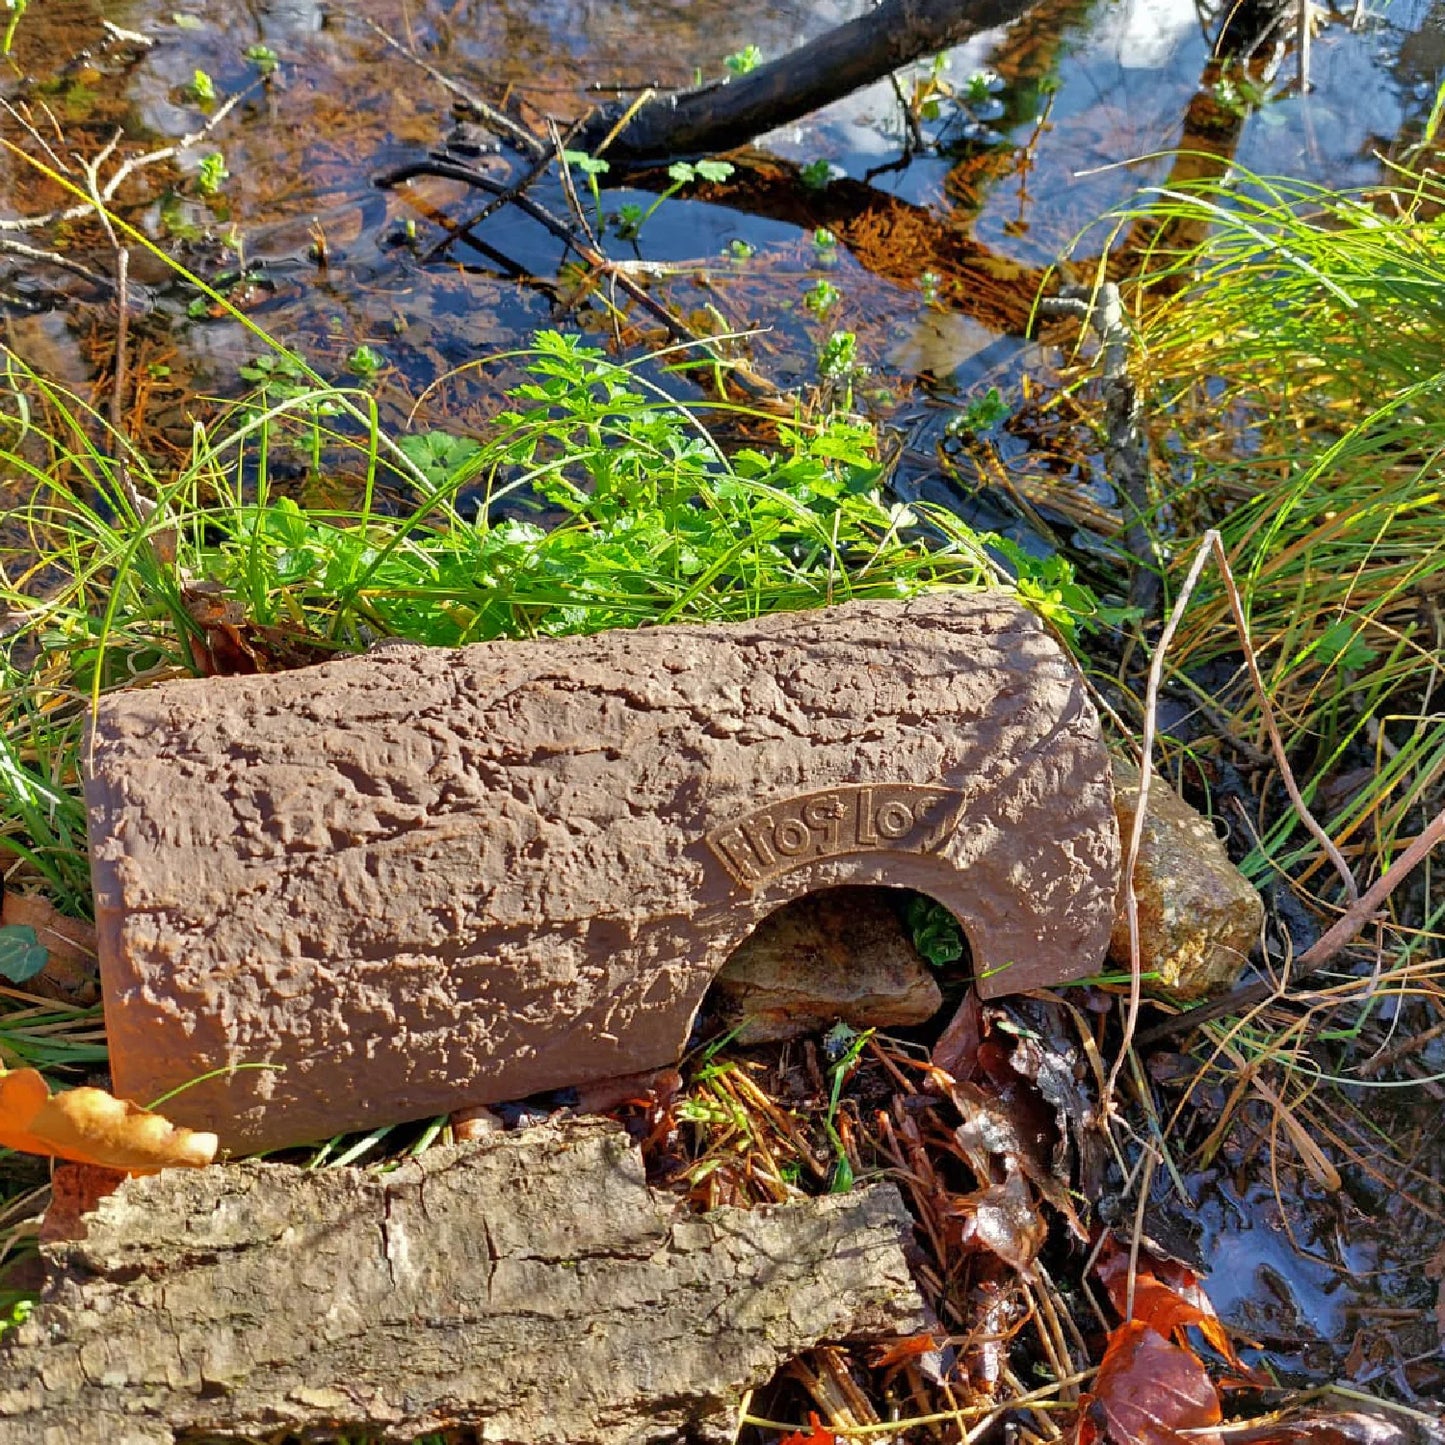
pixel 719 117
pixel 408 882
pixel 530 1286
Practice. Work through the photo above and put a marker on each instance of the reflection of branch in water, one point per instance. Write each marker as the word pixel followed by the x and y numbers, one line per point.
pixel 844 59
pixel 1127 457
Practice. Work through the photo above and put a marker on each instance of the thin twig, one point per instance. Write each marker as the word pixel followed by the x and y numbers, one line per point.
pixel 127 168
pixel 1344 931
pixel 519 135
pixel 1136 832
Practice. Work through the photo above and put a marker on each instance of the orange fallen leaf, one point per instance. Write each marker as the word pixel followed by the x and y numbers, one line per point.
pixel 1168 1297
pixel 1149 1391
pixel 90 1126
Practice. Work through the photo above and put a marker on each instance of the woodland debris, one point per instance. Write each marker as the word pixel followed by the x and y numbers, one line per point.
pixel 90 1126
pixel 71 974
pixel 394 885
pixel 843 954
pixel 462 1288
pixel 1198 915
pixel 723 115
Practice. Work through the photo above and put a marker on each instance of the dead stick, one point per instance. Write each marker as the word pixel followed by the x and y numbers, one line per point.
pixel 519 135
pixel 1344 931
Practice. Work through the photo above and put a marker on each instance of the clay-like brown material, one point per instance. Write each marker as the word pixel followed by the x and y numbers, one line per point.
pixel 391 886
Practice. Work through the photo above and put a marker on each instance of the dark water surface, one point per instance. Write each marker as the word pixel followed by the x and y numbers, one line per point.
pixel 1092 96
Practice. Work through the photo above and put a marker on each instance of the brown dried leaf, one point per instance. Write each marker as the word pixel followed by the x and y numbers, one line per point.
pixel 1346 1427
pixel 1009 1129
pixel 956 1051
pixel 1168 1297
pixel 90 1126
pixel 1147 1392
pixel 1005 1219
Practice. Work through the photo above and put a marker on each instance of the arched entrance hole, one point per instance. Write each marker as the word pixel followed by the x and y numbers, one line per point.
pixel 864 956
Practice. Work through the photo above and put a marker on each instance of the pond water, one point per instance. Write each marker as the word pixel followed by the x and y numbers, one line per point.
pixel 937 262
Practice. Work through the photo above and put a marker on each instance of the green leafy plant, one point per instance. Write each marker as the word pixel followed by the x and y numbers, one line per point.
pixel 22 955
pixel 263 58
pixel 366 362
pixel 631 219
pixel 980 415
pixel 816 174
pixel 212 174
pixel 740 250
pixel 935 931
pixel 202 88
pixel 821 297
pixel 740 62
pixel 838 358
pixel 591 167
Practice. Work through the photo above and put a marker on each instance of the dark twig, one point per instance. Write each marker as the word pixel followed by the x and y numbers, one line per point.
pixel 1346 928
pixel 503 124
pixel 455 171
pixel 502 198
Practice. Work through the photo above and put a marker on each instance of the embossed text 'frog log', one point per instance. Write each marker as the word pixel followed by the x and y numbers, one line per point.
pixel 424 878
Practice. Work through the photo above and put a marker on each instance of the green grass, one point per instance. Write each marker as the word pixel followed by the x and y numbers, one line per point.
pixel 621 509
pixel 1292 362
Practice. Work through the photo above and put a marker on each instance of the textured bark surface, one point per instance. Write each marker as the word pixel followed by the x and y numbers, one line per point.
pixel 1199 916
pixel 529 1285
pixel 422 879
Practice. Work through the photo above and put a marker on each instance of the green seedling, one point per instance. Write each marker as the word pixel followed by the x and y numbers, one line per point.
pixel 935 931
pixel 844 1047
pixel 980 415
pixel 838 359
pixel 740 250
pixel 365 362
pixel 591 167
pixel 202 89
pixel 744 60
pixel 816 174
pixel 212 174
pixel 631 219
pixel 17 10
pixel 263 58
pixel 821 297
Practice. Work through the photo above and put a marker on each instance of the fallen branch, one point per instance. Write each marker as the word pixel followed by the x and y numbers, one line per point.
pixel 726 114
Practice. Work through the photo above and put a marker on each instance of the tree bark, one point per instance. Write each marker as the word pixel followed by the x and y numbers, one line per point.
pixel 529 1286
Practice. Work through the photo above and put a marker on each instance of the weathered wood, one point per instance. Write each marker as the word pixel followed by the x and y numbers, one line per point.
pixel 423 879
pixel 529 1285
pixel 840 61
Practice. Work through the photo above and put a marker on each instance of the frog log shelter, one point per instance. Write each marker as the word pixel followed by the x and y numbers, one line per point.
pixel 426 878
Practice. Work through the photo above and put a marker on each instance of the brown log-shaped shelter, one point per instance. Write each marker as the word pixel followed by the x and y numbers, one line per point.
pixel 392 885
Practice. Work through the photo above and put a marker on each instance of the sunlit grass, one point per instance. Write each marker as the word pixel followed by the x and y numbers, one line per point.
pixel 1293 364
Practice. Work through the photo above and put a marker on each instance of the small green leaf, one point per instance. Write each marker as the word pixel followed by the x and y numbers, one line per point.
pixel 22 955
pixel 588 165
pixel 714 170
